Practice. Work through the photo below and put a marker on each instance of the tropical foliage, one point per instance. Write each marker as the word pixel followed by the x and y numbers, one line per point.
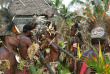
pixel 61 44
pixel 100 63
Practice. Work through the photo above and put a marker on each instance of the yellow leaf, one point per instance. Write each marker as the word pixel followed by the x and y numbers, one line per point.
pixel 0 41
pixel 100 53
pixel 79 54
pixel 33 44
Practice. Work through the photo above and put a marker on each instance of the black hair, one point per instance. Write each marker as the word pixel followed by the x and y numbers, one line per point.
pixel 76 25
pixel 55 27
pixel 2 38
pixel 27 27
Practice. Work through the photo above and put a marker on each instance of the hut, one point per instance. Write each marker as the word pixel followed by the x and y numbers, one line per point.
pixel 25 9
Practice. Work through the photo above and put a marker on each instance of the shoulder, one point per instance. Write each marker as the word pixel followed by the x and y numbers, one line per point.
pixel 88 53
pixel 25 39
pixel 3 53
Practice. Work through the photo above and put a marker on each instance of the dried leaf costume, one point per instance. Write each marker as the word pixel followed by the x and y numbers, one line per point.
pixel 32 50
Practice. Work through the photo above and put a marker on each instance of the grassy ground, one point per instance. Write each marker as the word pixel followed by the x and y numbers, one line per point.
pixel 65 71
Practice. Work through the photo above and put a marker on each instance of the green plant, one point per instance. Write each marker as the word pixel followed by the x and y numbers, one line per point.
pixel 61 44
pixel 99 63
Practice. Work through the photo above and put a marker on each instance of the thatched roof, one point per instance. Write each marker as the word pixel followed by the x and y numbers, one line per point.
pixel 30 7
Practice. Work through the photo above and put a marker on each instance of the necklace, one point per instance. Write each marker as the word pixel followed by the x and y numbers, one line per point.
pixel 9 49
pixel 15 54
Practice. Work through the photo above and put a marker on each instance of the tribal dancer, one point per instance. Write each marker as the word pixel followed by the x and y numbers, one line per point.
pixel 26 48
pixel 75 39
pixel 98 36
pixel 9 35
pixel 52 51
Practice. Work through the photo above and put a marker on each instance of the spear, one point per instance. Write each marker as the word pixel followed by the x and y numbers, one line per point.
pixel 64 51
pixel 47 65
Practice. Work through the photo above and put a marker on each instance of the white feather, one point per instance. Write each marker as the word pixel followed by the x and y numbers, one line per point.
pixel 17 58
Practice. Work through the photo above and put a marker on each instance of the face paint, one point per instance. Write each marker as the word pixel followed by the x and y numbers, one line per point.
pixel 98 32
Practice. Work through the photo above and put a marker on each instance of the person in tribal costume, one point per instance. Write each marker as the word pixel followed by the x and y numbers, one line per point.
pixel 51 51
pixel 98 36
pixel 75 39
pixel 9 36
pixel 25 40
pixel 26 50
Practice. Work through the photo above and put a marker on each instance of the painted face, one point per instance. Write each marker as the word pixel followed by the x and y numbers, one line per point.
pixel 98 32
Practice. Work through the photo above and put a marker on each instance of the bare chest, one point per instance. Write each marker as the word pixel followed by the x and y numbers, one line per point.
pixel 12 60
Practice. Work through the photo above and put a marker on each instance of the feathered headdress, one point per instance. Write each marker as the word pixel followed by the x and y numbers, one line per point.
pixel 7 27
pixel 95 22
pixel 97 19
pixel 50 28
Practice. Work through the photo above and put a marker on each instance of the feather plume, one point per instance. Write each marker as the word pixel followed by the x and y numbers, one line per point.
pixel 8 22
pixel 103 14
pixel 7 18
pixel 107 6
pixel 95 19
pixel 91 19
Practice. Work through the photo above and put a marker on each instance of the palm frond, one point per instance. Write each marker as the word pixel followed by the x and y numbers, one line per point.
pixel 57 3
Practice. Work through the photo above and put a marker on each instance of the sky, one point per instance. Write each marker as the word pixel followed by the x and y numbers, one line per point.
pixel 74 7
pixel 77 5
pixel 66 2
